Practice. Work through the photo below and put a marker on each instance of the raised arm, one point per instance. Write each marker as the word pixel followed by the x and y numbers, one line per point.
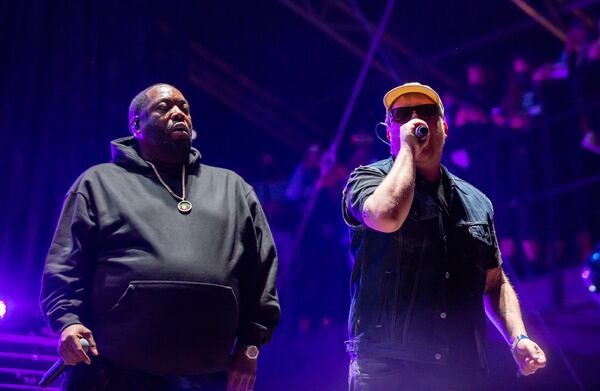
pixel 387 208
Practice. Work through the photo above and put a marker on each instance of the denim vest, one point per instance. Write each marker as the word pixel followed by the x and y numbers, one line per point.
pixel 417 293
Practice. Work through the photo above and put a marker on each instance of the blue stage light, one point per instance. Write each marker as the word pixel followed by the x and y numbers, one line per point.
pixel 591 273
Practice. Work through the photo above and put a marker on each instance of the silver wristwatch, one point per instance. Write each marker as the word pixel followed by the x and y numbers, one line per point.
pixel 250 351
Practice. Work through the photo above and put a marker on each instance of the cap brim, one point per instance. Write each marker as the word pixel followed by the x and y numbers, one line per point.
pixel 395 93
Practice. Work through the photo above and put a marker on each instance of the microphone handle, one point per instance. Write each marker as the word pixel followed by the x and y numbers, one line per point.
pixel 53 373
pixel 59 367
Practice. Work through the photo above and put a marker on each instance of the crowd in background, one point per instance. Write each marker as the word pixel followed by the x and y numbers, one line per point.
pixel 531 142
pixel 529 138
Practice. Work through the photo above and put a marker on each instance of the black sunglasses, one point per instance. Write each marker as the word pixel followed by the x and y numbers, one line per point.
pixel 426 112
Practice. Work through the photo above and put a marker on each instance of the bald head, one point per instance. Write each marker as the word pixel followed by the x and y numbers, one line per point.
pixel 141 100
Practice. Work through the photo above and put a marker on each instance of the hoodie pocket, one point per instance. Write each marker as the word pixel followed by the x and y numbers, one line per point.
pixel 171 327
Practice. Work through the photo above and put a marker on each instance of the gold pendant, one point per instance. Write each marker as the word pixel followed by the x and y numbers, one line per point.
pixel 184 206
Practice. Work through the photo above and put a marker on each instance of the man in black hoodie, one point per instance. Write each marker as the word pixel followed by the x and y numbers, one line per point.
pixel 165 265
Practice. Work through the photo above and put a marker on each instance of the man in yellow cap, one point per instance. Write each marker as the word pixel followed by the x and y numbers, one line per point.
pixel 426 265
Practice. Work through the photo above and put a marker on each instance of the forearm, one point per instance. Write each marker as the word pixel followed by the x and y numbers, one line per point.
pixel 387 208
pixel 502 308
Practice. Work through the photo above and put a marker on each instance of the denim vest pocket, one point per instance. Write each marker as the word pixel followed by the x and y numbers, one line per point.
pixel 479 230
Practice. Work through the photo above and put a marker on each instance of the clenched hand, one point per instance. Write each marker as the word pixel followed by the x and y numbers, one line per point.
pixel 70 348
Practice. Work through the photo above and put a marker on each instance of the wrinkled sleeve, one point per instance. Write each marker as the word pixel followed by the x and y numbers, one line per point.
pixel 64 291
pixel 495 259
pixel 260 310
pixel 362 183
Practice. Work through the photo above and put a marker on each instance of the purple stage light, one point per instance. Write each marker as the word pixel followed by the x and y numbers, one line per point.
pixel 2 309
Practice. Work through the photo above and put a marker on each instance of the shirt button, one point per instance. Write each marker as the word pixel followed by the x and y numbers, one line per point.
pixel 447 275
pixel 443 315
pixel 438 356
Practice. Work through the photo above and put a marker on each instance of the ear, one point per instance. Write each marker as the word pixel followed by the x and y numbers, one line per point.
pixel 445 129
pixel 387 129
pixel 134 125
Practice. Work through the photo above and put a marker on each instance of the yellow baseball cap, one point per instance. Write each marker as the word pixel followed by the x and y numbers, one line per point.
pixel 407 88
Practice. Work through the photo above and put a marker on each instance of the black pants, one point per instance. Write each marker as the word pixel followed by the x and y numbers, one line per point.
pixel 102 376
pixel 383 374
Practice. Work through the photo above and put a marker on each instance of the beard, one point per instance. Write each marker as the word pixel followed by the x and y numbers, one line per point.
pixel 178 150
pixel 163 147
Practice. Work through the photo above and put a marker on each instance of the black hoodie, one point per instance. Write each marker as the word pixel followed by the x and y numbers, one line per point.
pixel 163 292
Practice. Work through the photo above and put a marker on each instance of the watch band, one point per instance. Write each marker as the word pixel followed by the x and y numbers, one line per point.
pixel 517 340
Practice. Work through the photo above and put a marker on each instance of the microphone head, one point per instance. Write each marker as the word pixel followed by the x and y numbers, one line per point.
pixel 421 131
pixel 84 344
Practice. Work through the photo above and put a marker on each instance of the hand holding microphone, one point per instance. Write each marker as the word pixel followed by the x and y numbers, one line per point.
pixel 415 134
pixel 69 347
pixel 74 343
pixel 59 367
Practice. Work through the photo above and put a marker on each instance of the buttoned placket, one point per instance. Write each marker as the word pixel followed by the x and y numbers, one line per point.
pixel 444 213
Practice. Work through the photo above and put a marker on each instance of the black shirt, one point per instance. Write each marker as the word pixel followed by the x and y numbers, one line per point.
pixel 417 293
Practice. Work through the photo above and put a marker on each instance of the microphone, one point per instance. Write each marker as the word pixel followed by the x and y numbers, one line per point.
pixel 59 367
pixel 421 132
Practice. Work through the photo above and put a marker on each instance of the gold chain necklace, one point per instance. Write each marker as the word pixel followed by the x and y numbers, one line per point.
pixel 184 206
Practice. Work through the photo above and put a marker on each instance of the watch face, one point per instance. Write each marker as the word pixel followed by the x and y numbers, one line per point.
pixel 251 351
